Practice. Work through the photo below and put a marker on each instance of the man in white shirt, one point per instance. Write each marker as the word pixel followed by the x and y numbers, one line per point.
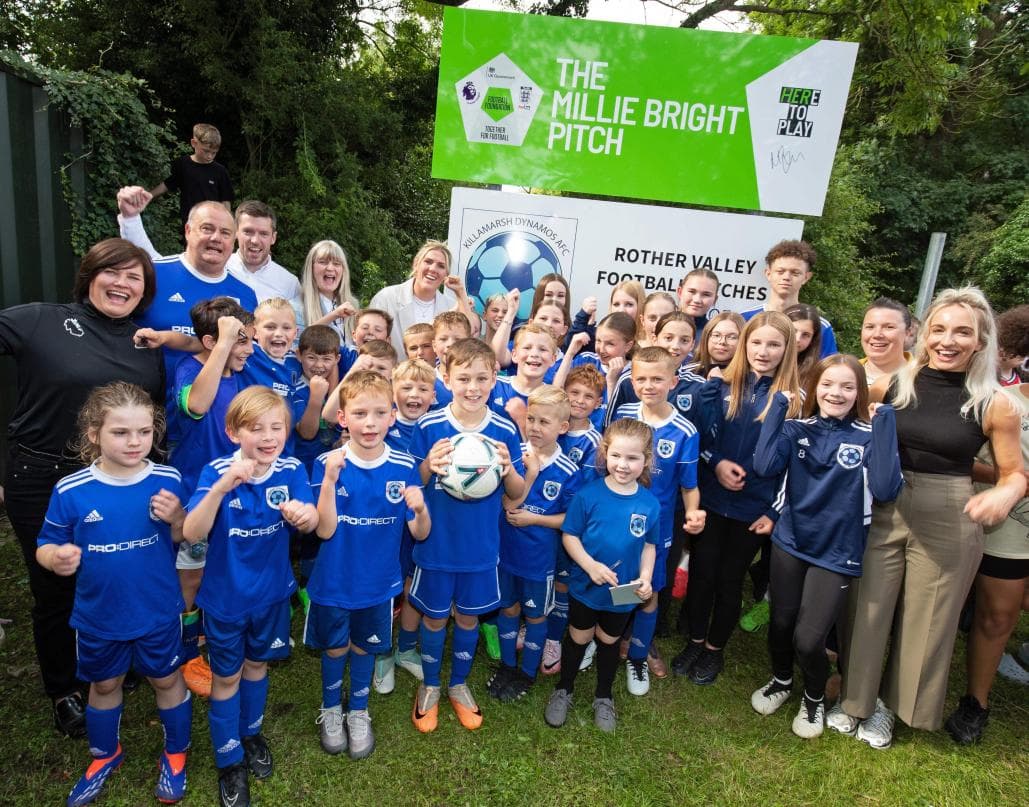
pixel 252 262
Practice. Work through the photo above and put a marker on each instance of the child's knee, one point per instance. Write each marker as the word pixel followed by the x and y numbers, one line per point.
pixel 466 621
pixel 108 686
pixel 254 670
pixel 166 683
pixel 514 610
pixel 433 623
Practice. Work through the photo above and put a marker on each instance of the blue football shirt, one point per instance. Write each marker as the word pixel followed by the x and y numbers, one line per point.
pixel 676 451
pixel 465 535
pixel 359 566
pixel 530 552
pixel 248 545
pixel 126 585
pixel 613 528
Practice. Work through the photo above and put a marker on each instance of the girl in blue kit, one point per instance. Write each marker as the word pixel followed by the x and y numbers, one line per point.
pixel 610 533
pixel 835 462
pixel 116 523
pixel 737 500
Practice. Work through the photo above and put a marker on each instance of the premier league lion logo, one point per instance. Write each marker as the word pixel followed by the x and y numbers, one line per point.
pixel 850 456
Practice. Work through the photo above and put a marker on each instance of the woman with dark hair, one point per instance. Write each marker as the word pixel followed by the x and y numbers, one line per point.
pixel 62 351
pixel 884 331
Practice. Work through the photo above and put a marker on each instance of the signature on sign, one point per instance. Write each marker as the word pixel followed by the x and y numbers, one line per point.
pixel 785 159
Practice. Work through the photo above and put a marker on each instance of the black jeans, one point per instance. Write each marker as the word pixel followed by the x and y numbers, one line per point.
pixel 719 561
pixel 806 601
pixel 30 481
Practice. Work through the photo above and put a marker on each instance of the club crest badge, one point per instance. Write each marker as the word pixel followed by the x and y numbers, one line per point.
pixel 551 490
pixel 637 525
pixel 849 455
pixel 276 496
pixel 395 491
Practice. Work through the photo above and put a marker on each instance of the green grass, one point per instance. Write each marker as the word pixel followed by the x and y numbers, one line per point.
pixel 679 745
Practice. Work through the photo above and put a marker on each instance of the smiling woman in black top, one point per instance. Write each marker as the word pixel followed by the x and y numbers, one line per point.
pixel 923 549
pixel 62 351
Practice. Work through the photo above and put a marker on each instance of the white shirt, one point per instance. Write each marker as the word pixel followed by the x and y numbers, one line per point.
pixel 271 280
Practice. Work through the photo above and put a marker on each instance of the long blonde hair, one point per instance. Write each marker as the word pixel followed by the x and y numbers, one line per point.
pixel 312 307
pixel 100 403
pixel 981 376
pixel 786 378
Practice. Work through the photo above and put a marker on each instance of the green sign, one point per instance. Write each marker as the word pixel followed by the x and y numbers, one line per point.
pixel 703 117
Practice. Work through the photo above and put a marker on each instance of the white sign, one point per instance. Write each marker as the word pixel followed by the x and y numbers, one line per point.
pixel 503 241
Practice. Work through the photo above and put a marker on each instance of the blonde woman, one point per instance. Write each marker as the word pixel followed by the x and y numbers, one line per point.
pixel 421 297
pixel 325 295
pixel 923 549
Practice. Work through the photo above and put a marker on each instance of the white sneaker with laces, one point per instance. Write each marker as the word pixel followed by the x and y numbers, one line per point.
pixel 877 730
pixel 637 674
pixel 771 696
pixel 810 719
pixel 333 737
pixel 840 721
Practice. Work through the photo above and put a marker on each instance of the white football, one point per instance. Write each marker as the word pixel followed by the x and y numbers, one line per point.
pixel 474 471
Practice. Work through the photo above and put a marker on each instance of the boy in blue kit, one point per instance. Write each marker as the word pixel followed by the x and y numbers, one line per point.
pixel 114 523
pixel 447 328
pixel 412 393
pixel 534 353
pixel 243 505
pixel 529 535
pixel 676 451
pixel 273 363
pixel 203 386
pixel 456 567
pixel 367 494
pixel 319 355
pixel 370 324
pixel 585 389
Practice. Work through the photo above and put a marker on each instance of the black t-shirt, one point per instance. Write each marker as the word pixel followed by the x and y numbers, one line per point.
pixel 932 436
pixel 198 182
pixel 62 352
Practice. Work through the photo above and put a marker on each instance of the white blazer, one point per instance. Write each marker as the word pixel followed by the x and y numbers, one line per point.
pixel 398 302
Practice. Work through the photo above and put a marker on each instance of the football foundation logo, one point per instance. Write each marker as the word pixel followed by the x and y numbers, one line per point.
pixel 498 102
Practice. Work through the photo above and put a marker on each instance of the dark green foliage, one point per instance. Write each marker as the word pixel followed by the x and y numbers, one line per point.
pixel 122 143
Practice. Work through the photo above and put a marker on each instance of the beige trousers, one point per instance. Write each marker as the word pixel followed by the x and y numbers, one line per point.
pixel 921 558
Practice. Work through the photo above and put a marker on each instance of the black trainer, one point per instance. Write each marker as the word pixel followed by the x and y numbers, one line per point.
pixel 258 756
pixel 706 669
pixel 682 663
pixel 517 687
pixel 498 681
pixel 234 786
pixel 70 715
pixel 967 722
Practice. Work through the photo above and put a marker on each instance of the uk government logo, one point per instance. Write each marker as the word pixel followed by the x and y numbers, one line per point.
pixel 498 102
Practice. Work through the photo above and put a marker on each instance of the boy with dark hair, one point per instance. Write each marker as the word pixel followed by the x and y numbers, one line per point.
pixel 788 267
pixel 252 262
pixel 456 567
pixel 319 355
pixel 197 177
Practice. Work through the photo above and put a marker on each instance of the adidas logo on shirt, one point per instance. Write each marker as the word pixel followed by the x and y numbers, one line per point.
pixel 176 298
pixel 277 643
pixel 530 604
pixel 803 441
pixel 92 518
pixel 236 504
pixel 374 639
